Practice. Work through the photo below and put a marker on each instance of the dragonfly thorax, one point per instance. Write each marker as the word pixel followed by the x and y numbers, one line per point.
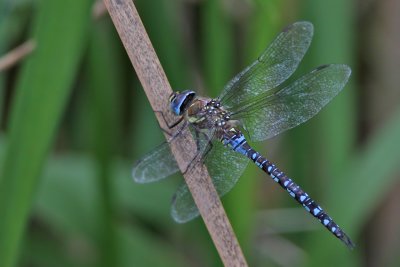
pixel 206 113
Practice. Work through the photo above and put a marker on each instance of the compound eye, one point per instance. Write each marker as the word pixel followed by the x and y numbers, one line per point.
pixel 180 101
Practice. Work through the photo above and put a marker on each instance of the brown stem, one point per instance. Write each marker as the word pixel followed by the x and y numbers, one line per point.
pixel 98 9
pixel 148 68
pixel 17 54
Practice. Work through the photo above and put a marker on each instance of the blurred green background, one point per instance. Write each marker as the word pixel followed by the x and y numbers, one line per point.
pixel 73 119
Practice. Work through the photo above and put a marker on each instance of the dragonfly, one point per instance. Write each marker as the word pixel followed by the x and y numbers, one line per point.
pixel 256 103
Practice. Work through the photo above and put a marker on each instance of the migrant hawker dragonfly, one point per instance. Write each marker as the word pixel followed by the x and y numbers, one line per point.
pixel 257 103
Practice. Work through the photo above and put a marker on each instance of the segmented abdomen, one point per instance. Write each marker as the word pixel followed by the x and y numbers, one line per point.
pixel 235 140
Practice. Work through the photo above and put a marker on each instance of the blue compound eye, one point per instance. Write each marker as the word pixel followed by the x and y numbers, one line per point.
pixel 180 101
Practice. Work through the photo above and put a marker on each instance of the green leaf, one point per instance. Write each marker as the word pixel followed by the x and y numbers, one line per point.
pixel 68 200
pixel 41 94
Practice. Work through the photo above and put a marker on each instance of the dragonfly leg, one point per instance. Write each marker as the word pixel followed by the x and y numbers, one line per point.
pixel 170 126
pixel 197 136
pixel 208 148
pixel 179 131
pixel 173 125
pixel 207 151
pixel 191 163
pixel 200 155
pixel 194 159
pixel 196 133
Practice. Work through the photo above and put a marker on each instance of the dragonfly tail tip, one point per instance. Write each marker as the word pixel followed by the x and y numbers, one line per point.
pixel 348 242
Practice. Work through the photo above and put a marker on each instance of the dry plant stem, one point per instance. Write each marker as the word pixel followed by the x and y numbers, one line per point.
pixel 151 75
pixel 99 9
pixel 17 54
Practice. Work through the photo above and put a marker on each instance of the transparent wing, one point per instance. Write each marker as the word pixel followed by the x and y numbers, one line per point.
pixel 224 166
pixel 273 112
pixel 273 67
pixel 156 165
pixel 160 162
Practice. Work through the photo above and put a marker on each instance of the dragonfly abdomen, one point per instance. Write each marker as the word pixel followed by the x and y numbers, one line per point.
pixel 237 142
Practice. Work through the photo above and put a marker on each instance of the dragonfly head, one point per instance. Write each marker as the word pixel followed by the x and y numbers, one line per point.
pixel 180 101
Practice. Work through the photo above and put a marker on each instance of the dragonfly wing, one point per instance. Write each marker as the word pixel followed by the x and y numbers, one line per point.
pixel 274 66
pixel 156 165
pixel 225 168
pixel 160 162
pixel 274 112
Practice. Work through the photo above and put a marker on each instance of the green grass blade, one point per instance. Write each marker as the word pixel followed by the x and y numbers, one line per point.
pixel 104 90
pixel 217 45
pixel 368 176
pixel 4 16
pixel 161 24
pixel 374 168
pixel 42 91
pixel 69 205
pixel 333 132
pixel 241 202
pixel 68 201
pixel 217 60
